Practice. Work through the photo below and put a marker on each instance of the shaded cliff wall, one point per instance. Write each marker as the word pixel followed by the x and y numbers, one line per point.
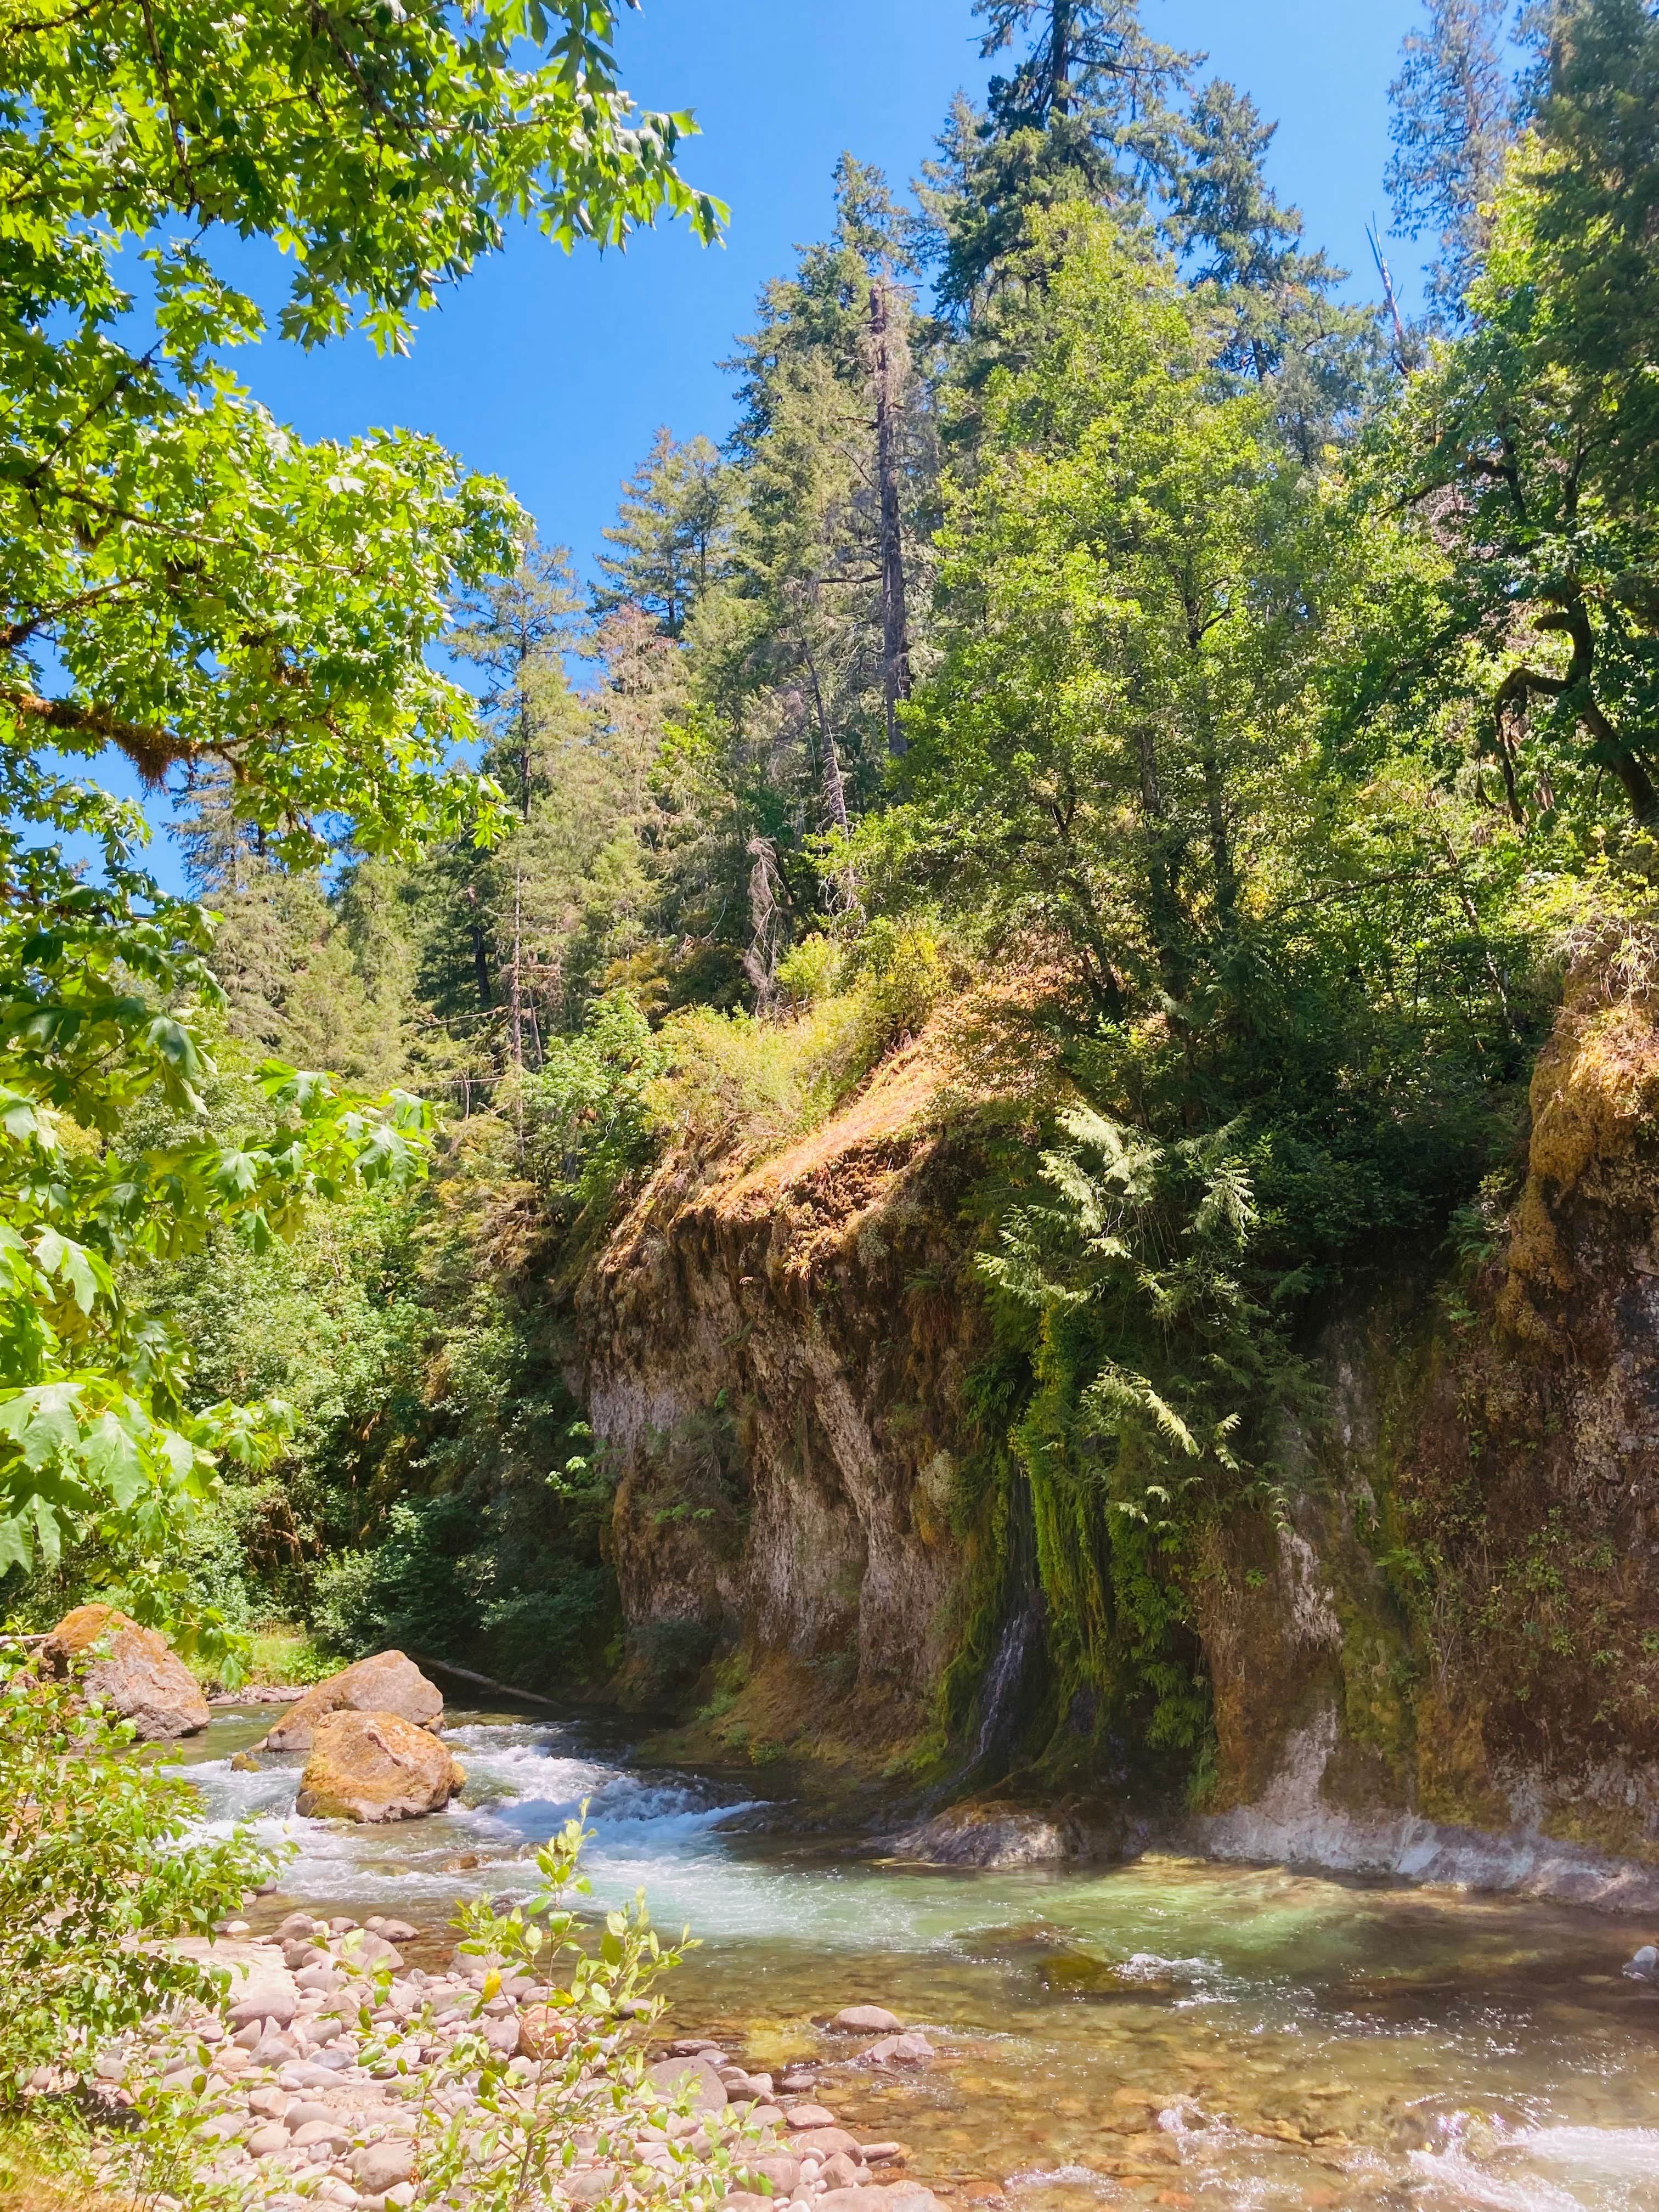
pixel 776 1360
pixel 1442 1657
pixel 1447 1660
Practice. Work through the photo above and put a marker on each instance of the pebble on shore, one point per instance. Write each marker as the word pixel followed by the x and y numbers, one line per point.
pixel 291 2103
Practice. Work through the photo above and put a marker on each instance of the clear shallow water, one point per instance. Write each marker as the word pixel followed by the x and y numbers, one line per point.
pixel 1168 2033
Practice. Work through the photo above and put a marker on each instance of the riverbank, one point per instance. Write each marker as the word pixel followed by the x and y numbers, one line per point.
pixel 1246 2037
pixel 336 2070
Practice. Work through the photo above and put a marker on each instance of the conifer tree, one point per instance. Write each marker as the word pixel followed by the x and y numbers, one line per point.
pixel 1453 117
pixel 1090 112
pixel 670 533
pixel 1239 244
pixel 509 626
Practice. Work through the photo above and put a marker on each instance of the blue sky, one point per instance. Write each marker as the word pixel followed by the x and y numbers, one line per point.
pixel 555 371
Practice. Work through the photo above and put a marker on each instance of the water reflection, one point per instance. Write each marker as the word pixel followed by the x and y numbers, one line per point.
pixel 1171 2034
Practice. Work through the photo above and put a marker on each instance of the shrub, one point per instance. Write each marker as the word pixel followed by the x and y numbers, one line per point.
pixel 810 971
pixel 94 1871
pixel 587 1121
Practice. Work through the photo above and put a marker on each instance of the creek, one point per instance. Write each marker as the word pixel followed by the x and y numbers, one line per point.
pixel 1167 2033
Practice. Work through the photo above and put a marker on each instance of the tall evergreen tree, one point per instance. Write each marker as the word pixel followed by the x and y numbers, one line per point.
pixel 1453 117
pixel 510 626
pixel 670 533
pixel 1238 244
pixel 1090 112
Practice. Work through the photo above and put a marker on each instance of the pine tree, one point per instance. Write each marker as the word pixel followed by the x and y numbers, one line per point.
pixel 1238 243
pixel 300 985
pixel 508 627
pixel 670 533
pixel 1453 117
pixel 1089 113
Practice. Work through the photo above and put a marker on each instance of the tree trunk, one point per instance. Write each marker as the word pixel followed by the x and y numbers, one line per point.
pixel 885 350
pixel 835 792
pixel 515 996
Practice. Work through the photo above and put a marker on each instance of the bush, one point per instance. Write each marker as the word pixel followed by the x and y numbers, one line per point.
pixel 810 971
pixel 408 1591
pixel 95 1872
pixel 587 1121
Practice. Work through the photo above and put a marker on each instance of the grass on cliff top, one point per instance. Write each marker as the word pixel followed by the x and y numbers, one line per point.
pixel 746 1085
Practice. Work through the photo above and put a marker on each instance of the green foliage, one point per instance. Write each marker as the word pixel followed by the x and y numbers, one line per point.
pixel 588 1111
pixel 1535 440
pixel 671 536
pixel 1164 1369
pixel 517 2138
pixel 410 1591
pixel 208 591
pixel 96 1873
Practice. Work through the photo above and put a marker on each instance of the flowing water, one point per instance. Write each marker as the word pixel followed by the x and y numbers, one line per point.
pixel 1167 2033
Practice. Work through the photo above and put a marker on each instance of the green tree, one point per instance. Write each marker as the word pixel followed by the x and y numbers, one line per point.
pixel 670 533
pixel 1090 113
pixel 513 627
pixel 1532 443
pixel 185 581
pixel 1244 251
pixel 1453 117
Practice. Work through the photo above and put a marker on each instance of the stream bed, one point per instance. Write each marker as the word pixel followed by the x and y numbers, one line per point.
pixel 1170 2032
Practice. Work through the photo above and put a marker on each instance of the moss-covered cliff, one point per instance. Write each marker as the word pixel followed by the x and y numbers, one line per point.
pixel 1435 1649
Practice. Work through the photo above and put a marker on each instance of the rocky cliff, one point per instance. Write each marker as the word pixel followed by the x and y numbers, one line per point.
pixel 777 1359
pixel 1442 1657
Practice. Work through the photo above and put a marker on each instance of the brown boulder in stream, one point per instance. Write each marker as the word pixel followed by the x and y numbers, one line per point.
pixel 375 1766
pixel 388 1683
pixel 139 1677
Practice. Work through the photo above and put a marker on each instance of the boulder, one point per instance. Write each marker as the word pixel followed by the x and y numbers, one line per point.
pixel 138 1677
pixel 992 1834
pixel 867 2020
pixel 671 2078
pixel 375 1766
pixel 388 1683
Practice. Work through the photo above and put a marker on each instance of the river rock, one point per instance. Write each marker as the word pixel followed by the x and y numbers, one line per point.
pixel 1645 1966
pixel 808 2115
pixel 388 1683
pixel 272 2001
pixel 542 2029
pixel 867 2020
pixel 995 1835
pixel 782 2171
pixel 266 2142
pixel 139 1677
pixel 671 2077
pixel 824 2142
pixel 909 2049
pixel 320 2131
pixel 375 1766
pixel 586 2185
pixel 899 2197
